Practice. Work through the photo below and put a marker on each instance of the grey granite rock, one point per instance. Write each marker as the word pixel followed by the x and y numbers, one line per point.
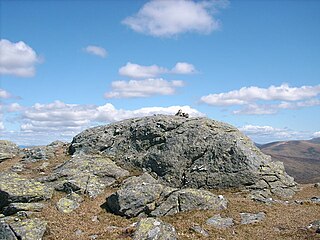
pixel 14 188
pixel 13 208
pixel 6 232
pixel 8 150
pixel 188 152
pixel 29 229
pixel 220 222
pixel 145 196
pixel 154 229
pixel 248 218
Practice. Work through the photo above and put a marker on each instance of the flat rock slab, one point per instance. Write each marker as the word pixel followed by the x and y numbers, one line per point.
pixel 248 218
pixel 13 208
pixel 220 222
pixel 145 196
pixel 29 229
pixel 14 188
pixel 86 174
pixel 154 229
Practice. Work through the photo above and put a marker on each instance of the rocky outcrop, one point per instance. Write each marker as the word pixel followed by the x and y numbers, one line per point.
pixel 14 188
pixel 188 152
pixel 154 229
pixel 42 153
pixel 145 196
pixel 8 150
pixel 85 175
pixel 29 229
pixel 248 218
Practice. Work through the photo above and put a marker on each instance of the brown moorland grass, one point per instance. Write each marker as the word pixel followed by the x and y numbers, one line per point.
pixel 281 222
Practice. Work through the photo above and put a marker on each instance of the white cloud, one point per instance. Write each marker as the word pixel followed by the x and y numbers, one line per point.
pixel 17 59
pixel 265 134
pixel 183 68
pixel 96 50
pixel 246 95
pixel 4 94
pixel 44 123
pixel 14 107
pixel 138 71
pixel 1 126
pixel 143 88
pixel 167 18
pixel 316 134
pixel 266 100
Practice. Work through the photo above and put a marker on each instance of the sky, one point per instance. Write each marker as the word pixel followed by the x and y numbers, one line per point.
pixel 69 65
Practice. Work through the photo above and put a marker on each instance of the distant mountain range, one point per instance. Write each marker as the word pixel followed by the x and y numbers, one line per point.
pixel 301 158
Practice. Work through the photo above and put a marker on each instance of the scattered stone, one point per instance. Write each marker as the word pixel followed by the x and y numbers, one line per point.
pixel 220 222
pixel 93 237
pixel 78 232
pixel 200 230
pixel 13 208
pixel 8 150
pixel 145 196
pixel 29 229
pixel 69 203
pixel 314 226
pixel 86 175
pixel 315 199
pixel 182 114
pixel 317 185
pixel 188 152
pixel 18 167
pixel 6 232
pixel 14 188
pixel 154 229
pixel 248 218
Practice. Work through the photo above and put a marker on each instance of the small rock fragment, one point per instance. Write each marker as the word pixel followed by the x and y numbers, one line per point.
pixel 248 218
pixel 220 222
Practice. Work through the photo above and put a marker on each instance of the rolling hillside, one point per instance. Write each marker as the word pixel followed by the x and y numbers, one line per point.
pixel 301 158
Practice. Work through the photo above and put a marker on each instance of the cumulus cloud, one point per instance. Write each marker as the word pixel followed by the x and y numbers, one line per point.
pixel 166 18
pixel 143 88
pixel 4 94
pixel 96 50
pixel 17 59
pixel 44 123
pixel 265 134
pixel 280 97
pixel 138 71
pixel 183 68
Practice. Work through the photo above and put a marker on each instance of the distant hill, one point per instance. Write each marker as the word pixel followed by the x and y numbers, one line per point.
pixel 301 158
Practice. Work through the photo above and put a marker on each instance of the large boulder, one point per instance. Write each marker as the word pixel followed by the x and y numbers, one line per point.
pixel 145 196
pixel 188 152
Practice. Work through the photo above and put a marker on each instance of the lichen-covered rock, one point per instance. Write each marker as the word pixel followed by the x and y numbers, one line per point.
pixel 6 232
pixel 41 153
pixel 220 222
pixel 188 152
pixel 14 188
pixel 248 218
pixel 154 229
pixel 145 196
pixel 86 175
pixel 8 150
pixel 13 208
pixel 29 229
pixel 69 203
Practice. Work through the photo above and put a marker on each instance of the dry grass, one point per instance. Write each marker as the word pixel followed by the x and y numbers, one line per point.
pixel 282 221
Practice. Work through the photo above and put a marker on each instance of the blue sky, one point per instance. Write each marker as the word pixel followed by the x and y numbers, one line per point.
pixel 69 65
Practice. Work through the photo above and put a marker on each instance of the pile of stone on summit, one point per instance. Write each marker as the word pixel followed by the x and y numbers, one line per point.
pixel 156 166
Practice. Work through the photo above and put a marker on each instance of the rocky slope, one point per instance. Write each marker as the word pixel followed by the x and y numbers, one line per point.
pixel 147 178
